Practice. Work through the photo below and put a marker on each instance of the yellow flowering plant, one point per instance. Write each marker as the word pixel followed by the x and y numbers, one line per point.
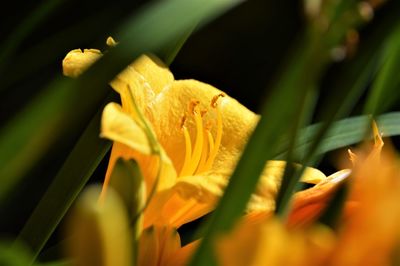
pixel 189 175
pixel 186 137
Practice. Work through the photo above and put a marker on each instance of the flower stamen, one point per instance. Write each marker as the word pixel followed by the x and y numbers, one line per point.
pixel 191 164
pixel 218 137
pixel 206 149
pixel 198 146
pixel 188 146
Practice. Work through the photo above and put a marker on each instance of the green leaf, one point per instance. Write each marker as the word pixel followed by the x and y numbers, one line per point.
pixel 47 119
pixel 303 69
pixel 353 80
pixel 16 254
pixel 262 144
pixel 385 89
pixel 345 132
pixel 170 51
pixel 76 171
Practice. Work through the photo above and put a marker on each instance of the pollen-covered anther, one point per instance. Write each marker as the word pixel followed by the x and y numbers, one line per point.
pixel 183 120
pixel 215 144
pixel 193 106
pixel 215 100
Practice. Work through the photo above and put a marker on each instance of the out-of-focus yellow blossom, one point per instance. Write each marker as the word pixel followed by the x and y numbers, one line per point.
pixel 98 234
pixel 200 133
pixel 370 234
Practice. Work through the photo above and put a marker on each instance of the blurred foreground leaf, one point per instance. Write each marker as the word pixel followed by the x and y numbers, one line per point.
pixel 344 133
pixel 290 88
pixel 70 180
pixel 385 89
pixel 14 255
pixel 347 90
pixel 303 70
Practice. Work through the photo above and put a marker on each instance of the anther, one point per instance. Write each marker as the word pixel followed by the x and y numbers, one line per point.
pixel 192 106
pixel 183 120
pixel 215 99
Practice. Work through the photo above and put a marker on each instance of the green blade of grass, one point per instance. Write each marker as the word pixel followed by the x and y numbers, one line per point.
pixel 14 255
pixel 289 183
pixel 48 118
pixel 345 132
pixel 70 180
pixel 171 51
pixel 354 80
pixel 385 89
pixel 273 123
pixel 260 147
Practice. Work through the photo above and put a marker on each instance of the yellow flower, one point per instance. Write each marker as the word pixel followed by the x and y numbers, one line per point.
pixel 98 233
pixel 186 136
pixel 370 234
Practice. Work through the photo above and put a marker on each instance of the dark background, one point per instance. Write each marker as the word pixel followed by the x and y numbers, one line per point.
pixel 240 52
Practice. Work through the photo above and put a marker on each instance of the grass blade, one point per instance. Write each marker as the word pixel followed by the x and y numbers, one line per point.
pixel 70 180
pixel 345 132
pixel 273 123
pixel 387 81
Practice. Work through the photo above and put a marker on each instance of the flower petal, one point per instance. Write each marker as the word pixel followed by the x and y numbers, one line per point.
pixel 181 257
pixel 157 244
pixel 118 126
pixel 145 78
pixel 130 141
pixel 170 106
pixel 264 197
pixel 99 232
pixel 190 198
pixel 77 61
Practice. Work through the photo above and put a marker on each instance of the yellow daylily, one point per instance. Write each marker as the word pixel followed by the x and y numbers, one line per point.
pixel 369 235
pixel 98 233
pixel 186 136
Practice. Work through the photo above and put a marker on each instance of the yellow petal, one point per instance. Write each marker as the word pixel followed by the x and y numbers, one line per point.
pixel 77 61
pixel 149 247
pixel 144 79
pixel 100 233
pixel 157 244
pixel 153 71
pixel 171 104
pixel 192 197
pixel 263 199
pixel 181 257
pixel 195 196
pixel 130 141
pixel 118 126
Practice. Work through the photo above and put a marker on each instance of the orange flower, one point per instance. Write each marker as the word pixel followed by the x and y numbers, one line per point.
pixel 369 235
